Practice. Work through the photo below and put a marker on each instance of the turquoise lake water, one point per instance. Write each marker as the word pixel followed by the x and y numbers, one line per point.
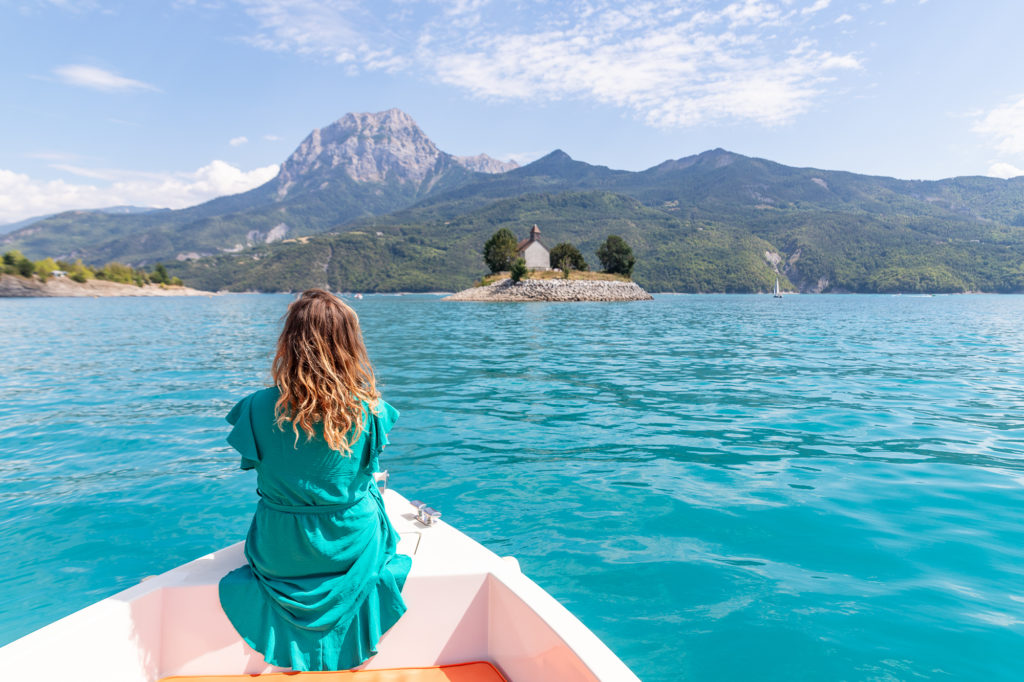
pixel 720 487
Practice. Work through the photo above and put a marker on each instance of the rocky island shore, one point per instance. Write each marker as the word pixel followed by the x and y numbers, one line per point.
pixel 564 290
pixel 12 286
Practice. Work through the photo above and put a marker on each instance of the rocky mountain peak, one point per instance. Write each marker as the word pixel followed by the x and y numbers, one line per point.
pixel 392 121
pixel 482 163
pixel 383 147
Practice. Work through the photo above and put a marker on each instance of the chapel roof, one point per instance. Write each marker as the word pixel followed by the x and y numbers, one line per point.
pixel 534 237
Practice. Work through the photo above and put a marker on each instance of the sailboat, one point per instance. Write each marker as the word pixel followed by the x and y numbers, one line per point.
pixel 473 616
pixel 778 294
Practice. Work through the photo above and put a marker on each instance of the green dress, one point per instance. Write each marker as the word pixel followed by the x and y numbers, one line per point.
pixel 323 580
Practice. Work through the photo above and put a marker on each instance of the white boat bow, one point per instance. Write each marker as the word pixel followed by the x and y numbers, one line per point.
pixel 465 604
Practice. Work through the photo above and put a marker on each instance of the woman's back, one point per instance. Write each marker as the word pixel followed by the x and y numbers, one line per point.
pixel 323 579
pixel 306 472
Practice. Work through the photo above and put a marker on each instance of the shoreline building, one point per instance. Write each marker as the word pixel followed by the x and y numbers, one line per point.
pixel 533 252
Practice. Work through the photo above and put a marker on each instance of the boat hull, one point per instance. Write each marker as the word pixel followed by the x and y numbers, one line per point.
pixel 464 604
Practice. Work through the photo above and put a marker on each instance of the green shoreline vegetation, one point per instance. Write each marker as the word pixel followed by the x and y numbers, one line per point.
pixel 14 263
pixel 500 254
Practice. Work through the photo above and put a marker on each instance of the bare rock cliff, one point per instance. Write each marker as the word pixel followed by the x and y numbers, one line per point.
pixel 386 147
pixel 481 163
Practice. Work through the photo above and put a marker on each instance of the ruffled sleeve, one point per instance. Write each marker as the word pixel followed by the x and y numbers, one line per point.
pixel 378 425
pixel 242 437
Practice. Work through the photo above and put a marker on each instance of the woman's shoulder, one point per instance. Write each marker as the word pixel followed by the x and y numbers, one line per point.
pixel 271 394
pixel 382 416
pixel 384 411
pixel 379 411
pixel 257 401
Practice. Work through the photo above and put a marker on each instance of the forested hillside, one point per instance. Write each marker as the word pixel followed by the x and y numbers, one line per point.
pixel 369 203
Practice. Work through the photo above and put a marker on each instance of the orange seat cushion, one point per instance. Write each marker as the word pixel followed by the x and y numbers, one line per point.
pixel 461 672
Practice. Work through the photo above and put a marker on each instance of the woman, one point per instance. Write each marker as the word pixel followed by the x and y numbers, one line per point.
pixel 323 580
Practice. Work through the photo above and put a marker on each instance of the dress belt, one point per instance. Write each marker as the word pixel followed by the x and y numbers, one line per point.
pixel 307 508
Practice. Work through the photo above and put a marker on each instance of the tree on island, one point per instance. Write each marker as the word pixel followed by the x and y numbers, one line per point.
pixel 567 257
pixel 518 269
pixel 616 256
pixel 500 250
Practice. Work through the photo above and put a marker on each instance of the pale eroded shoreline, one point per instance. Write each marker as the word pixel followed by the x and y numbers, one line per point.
pixel 12 286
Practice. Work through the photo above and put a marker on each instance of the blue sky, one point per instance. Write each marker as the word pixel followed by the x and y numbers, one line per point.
pixel 172 103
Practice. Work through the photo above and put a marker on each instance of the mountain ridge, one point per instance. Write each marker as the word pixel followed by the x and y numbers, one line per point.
pixel 112 210
pixel 361 164
pixel 716 220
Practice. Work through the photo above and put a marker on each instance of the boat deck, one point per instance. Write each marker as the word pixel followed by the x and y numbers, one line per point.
pixel 464 672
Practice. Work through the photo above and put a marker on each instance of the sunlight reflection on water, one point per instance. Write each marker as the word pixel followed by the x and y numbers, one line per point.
pixel 721 487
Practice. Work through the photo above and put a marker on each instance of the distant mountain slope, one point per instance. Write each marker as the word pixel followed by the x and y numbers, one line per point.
pixel 362 164
pixel 719 181
pixel 715 221
pixel 418 251
pixel 110 210
pixel 439 256
pixel 833 231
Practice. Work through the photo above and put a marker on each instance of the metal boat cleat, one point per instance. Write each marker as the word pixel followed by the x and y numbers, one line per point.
pixel 424 514
pixel 382 479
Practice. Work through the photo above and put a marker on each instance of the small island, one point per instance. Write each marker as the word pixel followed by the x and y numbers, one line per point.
pixel 522 272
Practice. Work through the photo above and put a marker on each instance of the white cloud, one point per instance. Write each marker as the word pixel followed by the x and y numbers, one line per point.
pixel 464 6
pixel 842 18
pixel 751 12
pixel 672 64
pixel 99 79
pixel 690 71
pixel 816 7
pixel 238 141
pixel 22 196
pixel 342 31
pixel 1005 126
pixel 1004 170
pixel 91 173
pixel 272 138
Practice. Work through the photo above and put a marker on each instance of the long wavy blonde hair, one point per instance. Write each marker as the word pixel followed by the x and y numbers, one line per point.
pixel 322 370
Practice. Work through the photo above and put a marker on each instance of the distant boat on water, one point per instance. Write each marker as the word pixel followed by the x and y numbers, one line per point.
pixel 777 294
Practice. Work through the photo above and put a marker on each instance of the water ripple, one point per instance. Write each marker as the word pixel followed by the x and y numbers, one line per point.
pixel 721 487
